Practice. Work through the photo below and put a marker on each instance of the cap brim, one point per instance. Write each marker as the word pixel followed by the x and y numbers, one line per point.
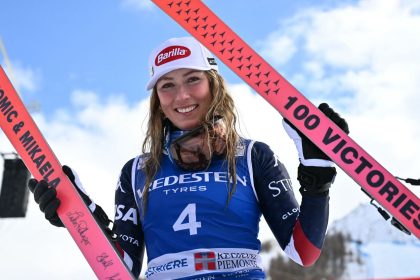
pixel 152 82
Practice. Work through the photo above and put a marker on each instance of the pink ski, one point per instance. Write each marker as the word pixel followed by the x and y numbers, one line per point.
pixel 381 185
pixel 38 157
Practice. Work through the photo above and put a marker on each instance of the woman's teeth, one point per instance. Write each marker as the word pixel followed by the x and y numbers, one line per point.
pixel 186 109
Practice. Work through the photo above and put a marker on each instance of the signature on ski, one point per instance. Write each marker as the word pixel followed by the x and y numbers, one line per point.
pixel 80 225
pixel 104 260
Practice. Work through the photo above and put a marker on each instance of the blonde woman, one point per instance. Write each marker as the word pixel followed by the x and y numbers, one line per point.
pixel 195 196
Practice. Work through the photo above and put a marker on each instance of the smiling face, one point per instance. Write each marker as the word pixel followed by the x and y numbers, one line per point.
pixel 185 97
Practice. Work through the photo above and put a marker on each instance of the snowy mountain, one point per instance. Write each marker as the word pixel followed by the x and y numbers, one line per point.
pixel 379 250
pixel 375 249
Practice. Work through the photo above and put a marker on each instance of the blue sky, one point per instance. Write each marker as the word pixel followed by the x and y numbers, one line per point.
pixel 79 44
pixel 84 64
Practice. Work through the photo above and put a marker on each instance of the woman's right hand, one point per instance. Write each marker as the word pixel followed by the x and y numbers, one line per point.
pixel 46 197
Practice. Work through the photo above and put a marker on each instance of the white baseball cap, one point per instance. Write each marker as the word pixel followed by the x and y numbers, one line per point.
pixel 176 53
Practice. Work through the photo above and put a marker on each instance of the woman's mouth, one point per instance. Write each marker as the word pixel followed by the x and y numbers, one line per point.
pixel 186 109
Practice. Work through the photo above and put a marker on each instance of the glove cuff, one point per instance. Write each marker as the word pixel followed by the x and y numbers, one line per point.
pixel 102 219
pixel 314 180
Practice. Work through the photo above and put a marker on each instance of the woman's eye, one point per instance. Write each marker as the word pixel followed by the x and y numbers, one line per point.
pixel 193 79
pixel 166 85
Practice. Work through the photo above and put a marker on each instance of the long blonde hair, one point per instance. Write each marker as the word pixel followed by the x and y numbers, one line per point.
pixel 222 105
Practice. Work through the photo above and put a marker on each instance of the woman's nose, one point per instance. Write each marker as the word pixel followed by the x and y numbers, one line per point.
pixel 183 92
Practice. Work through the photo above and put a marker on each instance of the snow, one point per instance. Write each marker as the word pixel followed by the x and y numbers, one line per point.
pixel 385 252
pixel 378 249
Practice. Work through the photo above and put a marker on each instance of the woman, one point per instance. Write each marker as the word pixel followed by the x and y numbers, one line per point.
pixel 195 196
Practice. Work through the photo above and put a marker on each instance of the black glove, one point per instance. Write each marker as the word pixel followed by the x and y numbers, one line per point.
pixel 46 197
pixel 316 171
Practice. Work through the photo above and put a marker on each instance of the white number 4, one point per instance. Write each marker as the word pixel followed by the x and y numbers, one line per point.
pixel 191 224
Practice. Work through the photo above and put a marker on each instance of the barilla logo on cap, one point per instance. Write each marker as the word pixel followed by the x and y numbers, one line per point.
pixel 171 53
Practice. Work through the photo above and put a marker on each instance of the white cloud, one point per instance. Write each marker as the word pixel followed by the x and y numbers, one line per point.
pixel 284 47
pixel 23 77
pixel 372 40
pixel 363 59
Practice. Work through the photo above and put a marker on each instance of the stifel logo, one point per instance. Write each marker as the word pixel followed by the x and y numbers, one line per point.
pixel 171 53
